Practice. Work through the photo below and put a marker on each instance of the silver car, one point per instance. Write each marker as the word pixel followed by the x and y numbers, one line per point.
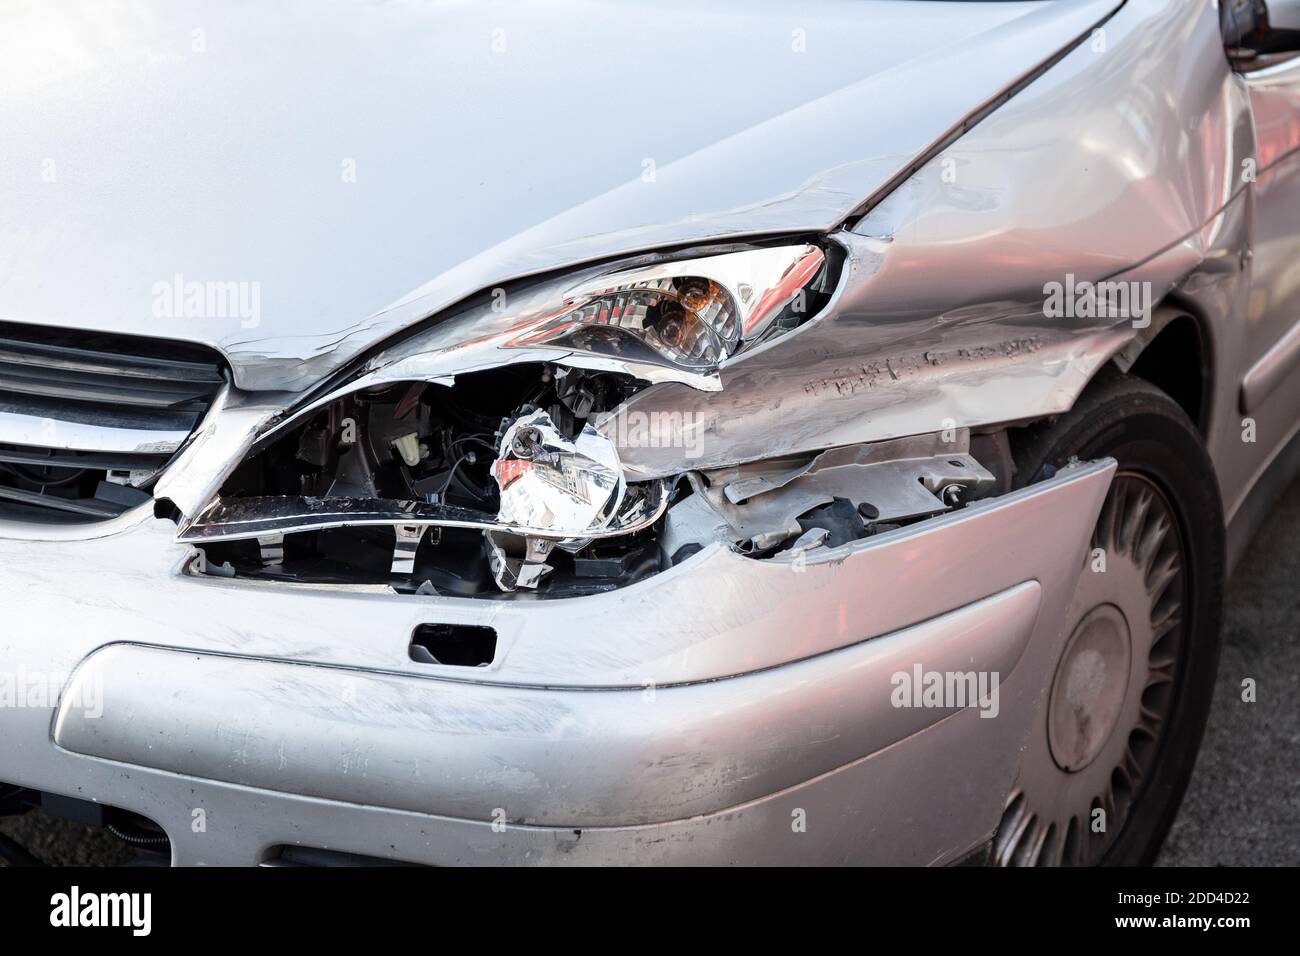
pixel 689 433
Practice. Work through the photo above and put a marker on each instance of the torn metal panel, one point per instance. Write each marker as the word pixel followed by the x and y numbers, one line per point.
pixel 693 523
pixel 748 481
pixel 851 376
pixel 897 489
pixel 810 540
pixel 743 482
pixel 893 481
pixel 943 318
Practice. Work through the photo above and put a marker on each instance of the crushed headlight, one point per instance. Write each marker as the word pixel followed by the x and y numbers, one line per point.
pixel 464 489
pixel 461 458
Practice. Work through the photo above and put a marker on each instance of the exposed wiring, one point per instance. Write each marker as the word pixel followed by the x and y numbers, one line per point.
pixel 452 474
pixel 143 840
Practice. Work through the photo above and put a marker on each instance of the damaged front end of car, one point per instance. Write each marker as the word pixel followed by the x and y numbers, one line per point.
pixel 481 456
pixel 576 434
pixel 465 459
pixel 465 489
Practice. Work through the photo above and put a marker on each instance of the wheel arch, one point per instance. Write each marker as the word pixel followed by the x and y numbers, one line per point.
pixel 1175 354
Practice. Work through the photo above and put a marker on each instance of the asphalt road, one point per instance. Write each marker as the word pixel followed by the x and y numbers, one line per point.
pixel 1243 805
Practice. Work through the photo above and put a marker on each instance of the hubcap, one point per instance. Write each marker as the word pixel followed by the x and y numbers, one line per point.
pixel 1086 762
pixel 1088 692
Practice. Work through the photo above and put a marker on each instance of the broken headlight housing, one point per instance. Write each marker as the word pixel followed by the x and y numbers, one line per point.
pixel 462 459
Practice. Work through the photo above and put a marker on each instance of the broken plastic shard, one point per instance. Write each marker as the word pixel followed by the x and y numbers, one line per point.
pixel 549 482
pixel 518 562
pixel 271 547
pixel 811 539
pixel 405 545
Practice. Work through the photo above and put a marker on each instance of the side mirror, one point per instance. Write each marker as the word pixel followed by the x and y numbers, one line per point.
pixel 1259 28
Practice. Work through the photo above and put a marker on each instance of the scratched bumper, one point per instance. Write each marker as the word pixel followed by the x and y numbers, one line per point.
pixel 726 711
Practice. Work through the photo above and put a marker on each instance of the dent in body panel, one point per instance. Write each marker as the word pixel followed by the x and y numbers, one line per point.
pixel 1092 172
pixel 1213 285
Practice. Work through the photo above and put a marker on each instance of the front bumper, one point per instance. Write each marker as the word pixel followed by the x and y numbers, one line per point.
pixel 726 711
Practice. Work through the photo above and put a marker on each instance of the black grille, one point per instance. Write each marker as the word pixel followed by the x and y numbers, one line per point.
pixel 88 419
pixel 116 371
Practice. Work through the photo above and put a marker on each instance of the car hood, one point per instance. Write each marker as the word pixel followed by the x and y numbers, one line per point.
pixel 292 183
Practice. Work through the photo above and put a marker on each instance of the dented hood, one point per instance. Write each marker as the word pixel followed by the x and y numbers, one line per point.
pixel 323 174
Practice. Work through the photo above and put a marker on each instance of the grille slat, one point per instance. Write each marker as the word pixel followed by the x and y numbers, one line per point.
pixel 76 405
pixel 79 461
pixel 45 382
pixel 84 507
pixel 89 360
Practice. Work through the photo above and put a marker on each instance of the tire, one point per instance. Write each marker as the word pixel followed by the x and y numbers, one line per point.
pixel 1162 461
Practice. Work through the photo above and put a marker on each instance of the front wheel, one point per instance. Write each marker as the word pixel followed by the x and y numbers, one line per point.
pixel 1110 755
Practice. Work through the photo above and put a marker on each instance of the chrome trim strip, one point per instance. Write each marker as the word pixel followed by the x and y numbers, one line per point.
pixel 64 435
pixel 243 518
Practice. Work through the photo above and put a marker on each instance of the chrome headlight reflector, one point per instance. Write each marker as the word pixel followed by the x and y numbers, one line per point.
pixel 694 313
pixel 573 487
